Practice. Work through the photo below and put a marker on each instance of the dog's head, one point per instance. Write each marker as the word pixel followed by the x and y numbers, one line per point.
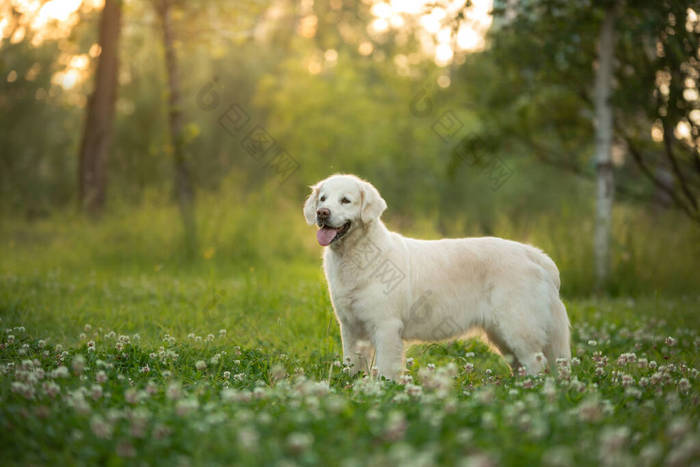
pixel 339 205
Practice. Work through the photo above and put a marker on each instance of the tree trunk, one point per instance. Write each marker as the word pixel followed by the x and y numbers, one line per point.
pixel 97 136
pixel 603 139
pixel 184 187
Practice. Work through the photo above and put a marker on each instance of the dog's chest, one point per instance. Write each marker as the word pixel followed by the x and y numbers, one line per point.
pixel 352 290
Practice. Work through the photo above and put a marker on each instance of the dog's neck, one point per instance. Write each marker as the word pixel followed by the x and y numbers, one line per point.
pixel 374 229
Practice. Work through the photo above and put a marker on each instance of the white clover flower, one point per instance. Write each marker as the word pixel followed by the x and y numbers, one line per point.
pixel 100 427
pixel 488 420
pixel 651 454
pixel 277 373
pixel 628 357
pixel 405 379
pixel 222 332
pixel 670 341
pixel 60 372
pixel 96 391
pixel 25 390
pixel 229 395
pixel 210 337
pixel 592 343
pixel 227 375
pixel 335 404
pixel 50 388
pixel 201 365
pixel 627 380
pixel 590 410
pixel 151 387
pixel 395 426
pixel 299 442
pixel 76 400
pixel 248 438
pixel 186 406
pixel 174 391
pixel 549 389
pixel 145 369
pixel 131 396
pixel 259 393
pixel 613 439
pixel 684 385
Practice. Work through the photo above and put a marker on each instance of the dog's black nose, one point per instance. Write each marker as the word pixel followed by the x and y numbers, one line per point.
pixel 323 213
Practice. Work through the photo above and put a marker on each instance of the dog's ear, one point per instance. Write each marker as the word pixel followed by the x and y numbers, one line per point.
pixel 310 205
pixel 373 205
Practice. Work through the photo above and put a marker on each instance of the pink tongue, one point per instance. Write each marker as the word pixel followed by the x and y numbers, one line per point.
pixel 325 235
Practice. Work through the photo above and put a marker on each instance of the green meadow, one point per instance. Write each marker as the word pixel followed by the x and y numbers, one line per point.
pixel 118 349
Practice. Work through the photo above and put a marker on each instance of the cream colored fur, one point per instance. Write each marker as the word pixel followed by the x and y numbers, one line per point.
pixel 388 290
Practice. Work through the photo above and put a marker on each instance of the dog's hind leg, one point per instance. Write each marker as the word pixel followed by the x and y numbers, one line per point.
pixel 559 345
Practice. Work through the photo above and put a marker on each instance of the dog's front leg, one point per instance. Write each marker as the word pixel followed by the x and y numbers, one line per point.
pixel 389 345
pixel 357 350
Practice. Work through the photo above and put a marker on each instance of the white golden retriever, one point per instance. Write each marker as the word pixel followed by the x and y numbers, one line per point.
pixel 387 289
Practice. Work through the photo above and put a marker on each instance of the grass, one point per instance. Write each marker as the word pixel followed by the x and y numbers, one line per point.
pixel 112 352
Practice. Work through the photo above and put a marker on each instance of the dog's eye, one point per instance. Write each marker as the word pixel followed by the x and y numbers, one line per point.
pixel 323 198
pixel 345 201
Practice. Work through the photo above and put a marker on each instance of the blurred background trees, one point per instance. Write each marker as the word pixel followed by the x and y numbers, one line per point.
pixel 473 118
pixel 97 136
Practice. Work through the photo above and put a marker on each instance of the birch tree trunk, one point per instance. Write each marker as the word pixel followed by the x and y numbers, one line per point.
pixel 603 139
pixel 97 135
pixel 184 188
